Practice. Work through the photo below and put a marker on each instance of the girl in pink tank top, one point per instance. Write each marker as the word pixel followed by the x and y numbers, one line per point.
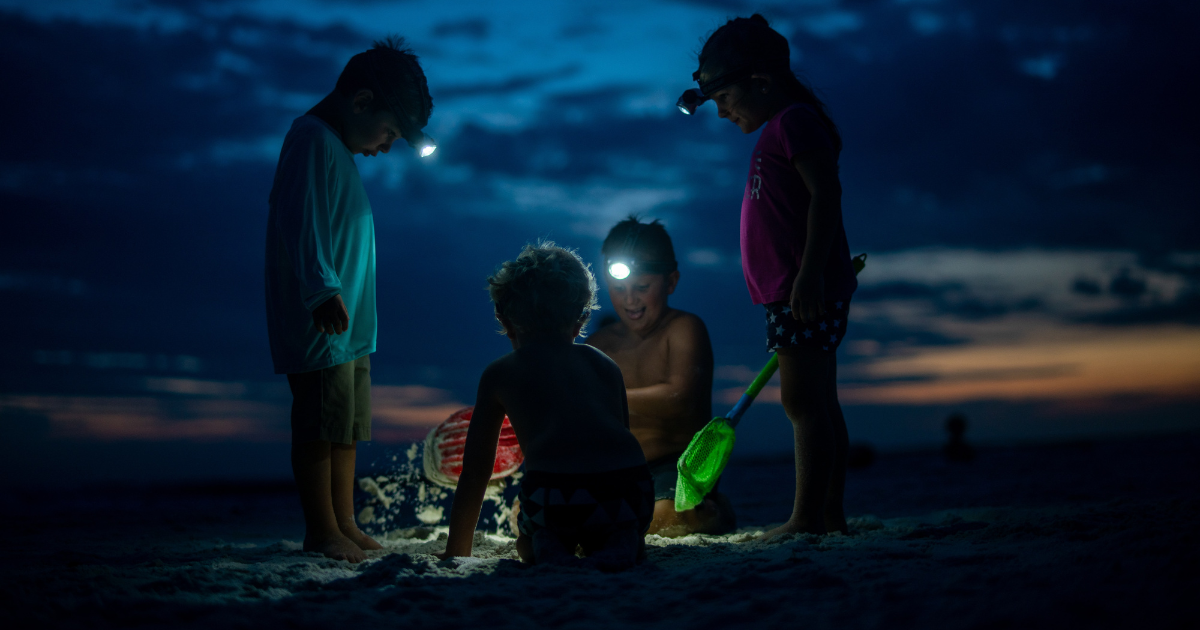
pixel 794 251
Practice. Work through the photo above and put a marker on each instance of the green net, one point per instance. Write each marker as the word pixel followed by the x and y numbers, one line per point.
pixel 702 463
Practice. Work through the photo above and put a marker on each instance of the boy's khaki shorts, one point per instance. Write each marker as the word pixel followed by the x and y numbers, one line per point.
pixel 333 404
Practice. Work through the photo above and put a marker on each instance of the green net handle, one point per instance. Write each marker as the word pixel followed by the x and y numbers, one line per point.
pixel 764 375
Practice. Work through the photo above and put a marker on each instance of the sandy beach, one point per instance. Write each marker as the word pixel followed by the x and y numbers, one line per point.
pixel 1088 534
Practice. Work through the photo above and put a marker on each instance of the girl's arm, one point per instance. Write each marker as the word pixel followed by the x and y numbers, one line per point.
pixel 479 459
pixel 820 176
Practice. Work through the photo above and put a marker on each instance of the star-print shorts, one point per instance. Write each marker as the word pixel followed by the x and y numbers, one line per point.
pixel 586 509
pixel 784 331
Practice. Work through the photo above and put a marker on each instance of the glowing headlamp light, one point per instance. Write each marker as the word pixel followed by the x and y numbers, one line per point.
pixel 424 144
pixel 690 100
pixel 618 270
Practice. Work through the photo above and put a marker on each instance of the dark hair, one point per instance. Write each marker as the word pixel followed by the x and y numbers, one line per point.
pixel 647 242
pixel 752 44
pixel 546 290
pixel 397 67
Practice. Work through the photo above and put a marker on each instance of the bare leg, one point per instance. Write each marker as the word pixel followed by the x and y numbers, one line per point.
pixel 713 516
pixel 835 515
pixel 342 486
pixel 806 377
pixel 311 466
pixel 513 516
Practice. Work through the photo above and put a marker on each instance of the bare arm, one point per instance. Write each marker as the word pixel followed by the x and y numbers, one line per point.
pixel 824 211
pixel 479 458
pixel 687 392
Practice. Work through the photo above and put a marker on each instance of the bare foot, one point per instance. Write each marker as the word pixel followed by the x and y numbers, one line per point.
pixel 337 547
pixel 713 516
pixel 356 536
pixel 791 527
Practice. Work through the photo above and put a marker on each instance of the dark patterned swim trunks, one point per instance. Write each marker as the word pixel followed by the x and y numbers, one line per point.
pixel 586 508
pixel 784 331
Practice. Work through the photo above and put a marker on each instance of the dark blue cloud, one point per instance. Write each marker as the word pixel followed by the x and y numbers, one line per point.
pixel 951 298
pixel 517 83
pixel 473 28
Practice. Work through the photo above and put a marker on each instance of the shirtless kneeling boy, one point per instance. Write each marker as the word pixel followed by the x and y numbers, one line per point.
pixel 586 483
pixel 666 360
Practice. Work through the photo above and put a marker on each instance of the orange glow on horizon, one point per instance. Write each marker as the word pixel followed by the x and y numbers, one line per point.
pixel 1080 363
pixel 399 414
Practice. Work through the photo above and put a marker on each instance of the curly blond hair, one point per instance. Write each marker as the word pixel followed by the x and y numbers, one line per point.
pixel 546 290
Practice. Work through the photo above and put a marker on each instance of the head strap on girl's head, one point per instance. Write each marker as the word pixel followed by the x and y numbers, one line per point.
pixel 694 98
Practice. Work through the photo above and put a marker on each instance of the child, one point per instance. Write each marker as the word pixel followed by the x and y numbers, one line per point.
pixel 666 360
pixel 320 279
pixel 586 481
pixel 794 251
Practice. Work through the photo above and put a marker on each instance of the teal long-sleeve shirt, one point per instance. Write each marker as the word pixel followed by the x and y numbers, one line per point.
pixel 320 243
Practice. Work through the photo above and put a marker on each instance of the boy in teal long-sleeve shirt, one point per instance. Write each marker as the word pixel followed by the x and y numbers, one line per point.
pixel 320 278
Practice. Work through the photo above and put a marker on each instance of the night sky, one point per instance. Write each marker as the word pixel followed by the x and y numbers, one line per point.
pixel 1023 175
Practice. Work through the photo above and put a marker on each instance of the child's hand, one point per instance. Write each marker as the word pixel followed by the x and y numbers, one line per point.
pixel 331 317
pixel 808 298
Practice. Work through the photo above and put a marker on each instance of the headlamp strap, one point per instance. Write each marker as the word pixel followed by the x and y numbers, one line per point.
pixel 649 266
pixel 738 73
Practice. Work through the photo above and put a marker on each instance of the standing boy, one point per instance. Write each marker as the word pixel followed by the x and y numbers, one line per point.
pixel 320 278
pixel 666 360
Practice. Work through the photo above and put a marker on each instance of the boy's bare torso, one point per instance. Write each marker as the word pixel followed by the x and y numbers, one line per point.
pixel 567 407
pixel 668 376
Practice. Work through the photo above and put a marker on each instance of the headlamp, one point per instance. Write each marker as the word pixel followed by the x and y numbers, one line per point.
pixel 621 268
pixel 690 100
pixel 695 97
pixel 423 143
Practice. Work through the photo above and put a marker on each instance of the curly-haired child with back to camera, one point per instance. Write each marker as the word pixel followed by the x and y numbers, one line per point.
pixel 586 482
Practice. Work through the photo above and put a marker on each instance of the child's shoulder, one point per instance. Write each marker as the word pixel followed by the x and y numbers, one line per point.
pixel 801 125
pixel 590 353
pixel 685 324
pixel 311 130
pixel 595 357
